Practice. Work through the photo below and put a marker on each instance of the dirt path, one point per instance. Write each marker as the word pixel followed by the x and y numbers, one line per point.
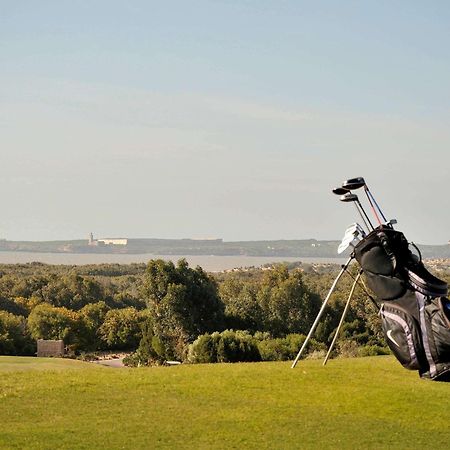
pixel 116 362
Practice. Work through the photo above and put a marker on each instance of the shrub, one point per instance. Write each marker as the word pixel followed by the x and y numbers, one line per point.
pixel 237 346
pixel 373 350
pixel 284 349
pixel 14 336
pixel 228 346
pixel 348 348
pixel 149 350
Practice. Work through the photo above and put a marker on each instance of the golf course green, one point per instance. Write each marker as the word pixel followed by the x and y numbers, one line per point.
pixel 359 403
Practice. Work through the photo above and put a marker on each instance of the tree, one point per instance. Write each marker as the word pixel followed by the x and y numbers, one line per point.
pixel 48 322
pixel 287 305
pixel 71 291
pixel 242 310
pixel 92 317
pixel 14 336
pixel 183 303
pixel 121 328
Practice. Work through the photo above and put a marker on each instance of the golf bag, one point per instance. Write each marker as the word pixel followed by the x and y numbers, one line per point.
pixel 415 312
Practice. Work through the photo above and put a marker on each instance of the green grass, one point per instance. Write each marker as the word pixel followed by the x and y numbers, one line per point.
pixel 351 403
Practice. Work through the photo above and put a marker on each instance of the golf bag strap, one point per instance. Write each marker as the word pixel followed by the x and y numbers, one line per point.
pixel 421 299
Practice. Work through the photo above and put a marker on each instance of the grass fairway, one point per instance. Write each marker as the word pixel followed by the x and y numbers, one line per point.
pixel 351 403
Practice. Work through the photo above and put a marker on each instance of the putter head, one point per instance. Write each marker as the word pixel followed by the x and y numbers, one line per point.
pixel 348 197
pixel 340 191
pixel 353 183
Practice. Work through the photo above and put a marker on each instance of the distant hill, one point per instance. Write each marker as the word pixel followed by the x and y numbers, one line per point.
pixel 217 247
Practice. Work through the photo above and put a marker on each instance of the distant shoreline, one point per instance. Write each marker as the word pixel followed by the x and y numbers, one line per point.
pixel 207 262
pixel 298 249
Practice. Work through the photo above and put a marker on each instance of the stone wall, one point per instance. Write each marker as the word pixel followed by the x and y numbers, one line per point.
pixel 47 348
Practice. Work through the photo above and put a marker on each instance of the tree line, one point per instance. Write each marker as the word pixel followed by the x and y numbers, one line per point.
pixel 163 311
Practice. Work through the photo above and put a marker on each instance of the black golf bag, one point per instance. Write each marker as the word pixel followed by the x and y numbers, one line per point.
pixel 415 312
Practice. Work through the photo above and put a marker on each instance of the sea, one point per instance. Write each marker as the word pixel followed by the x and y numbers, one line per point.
pixel 209 263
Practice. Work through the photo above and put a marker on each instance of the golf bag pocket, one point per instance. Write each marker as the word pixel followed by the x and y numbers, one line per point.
pixel 385 287
pixel 424 282
pixel 438 318
pixel 402 333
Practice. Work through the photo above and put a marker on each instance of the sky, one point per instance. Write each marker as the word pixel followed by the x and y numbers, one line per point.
pixel 225 119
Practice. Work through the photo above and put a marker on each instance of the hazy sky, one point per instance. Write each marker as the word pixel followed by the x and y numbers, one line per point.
pixel 229 119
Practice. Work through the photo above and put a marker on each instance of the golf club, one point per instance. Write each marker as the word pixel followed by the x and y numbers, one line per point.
pixel 353 198
pixel 353 234
pixel 359 182
pixel 343 191
pixel 340 191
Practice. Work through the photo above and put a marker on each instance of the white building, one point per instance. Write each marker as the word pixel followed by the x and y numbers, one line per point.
pixel 106 241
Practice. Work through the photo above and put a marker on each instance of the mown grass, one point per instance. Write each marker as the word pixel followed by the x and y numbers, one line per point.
pixel 351 403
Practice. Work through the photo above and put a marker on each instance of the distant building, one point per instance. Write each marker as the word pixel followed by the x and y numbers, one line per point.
pixel 91 240
pixel 113 241
pixel 106 241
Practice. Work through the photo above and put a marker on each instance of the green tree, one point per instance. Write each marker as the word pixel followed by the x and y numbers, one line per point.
pixel 71 291
pixel 287 305
pixel 92 317
pixel 183 303
pixel 14 336
pixel 242 310
pixel 48 322
pixel 121 328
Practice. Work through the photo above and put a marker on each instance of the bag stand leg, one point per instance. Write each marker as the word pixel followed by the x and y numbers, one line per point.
pixel 342 318
pixel 322 309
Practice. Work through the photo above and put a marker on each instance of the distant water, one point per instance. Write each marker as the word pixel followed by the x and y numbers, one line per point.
pixel 207 262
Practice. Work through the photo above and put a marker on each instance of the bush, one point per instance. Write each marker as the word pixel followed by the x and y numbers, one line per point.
pixel 285 349
pixel 204 348
pixel 237 346
pixel 373 350
pixel 348 348
pixel 240 346
pixel 228 346
pixel 14 336
pixel 149 350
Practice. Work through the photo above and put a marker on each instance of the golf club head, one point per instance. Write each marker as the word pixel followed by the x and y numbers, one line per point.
pixel 350 242
pixel 355 226
pixel 353 183
pixel 348 197
pixel 353 234
pixel 356 230
pixel 340 191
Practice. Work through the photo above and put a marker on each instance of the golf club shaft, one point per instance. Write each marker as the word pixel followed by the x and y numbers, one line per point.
pixel 366 216
pixel 371 204
pixel 362 217
pixel 344 313
pixel 322 309
pixel 376 204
